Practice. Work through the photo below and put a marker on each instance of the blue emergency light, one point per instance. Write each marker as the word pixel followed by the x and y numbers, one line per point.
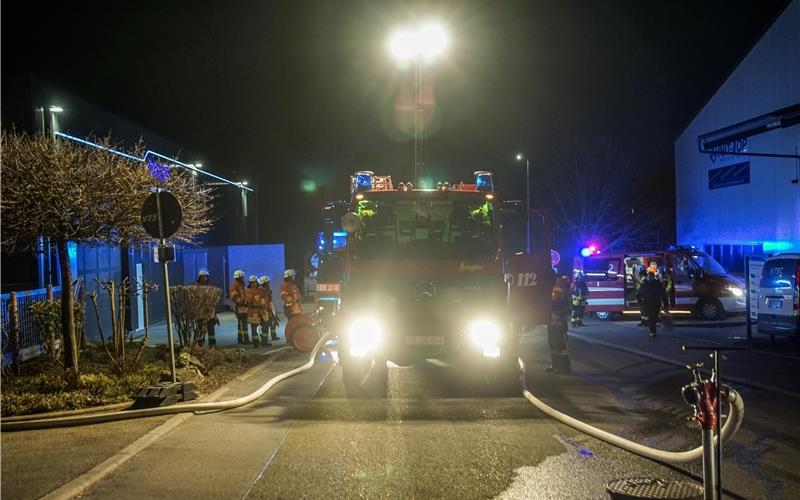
pixel 364 180
pixel 483 181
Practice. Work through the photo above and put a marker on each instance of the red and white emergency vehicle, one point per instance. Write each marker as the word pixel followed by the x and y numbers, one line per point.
pixel 702 287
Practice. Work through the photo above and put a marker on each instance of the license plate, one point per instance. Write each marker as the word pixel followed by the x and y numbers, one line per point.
pixel 775 303
pixel 420 340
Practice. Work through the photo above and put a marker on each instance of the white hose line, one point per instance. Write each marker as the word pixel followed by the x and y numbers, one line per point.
pixel 166 410
pixel 729 428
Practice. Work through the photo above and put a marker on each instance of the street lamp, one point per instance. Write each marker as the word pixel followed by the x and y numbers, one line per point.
pixel 53 122
pixel 521 157
pixel 421 44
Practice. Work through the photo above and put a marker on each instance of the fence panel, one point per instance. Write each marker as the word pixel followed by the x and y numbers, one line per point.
pixel 30 342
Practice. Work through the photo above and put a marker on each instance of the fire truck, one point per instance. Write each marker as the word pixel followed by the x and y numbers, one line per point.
pixel 426 275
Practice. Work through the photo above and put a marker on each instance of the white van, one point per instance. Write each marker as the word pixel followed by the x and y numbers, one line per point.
pixel 779 295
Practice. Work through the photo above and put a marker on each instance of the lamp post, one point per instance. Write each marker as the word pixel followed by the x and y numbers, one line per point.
pixel 521 157
pixel 420 44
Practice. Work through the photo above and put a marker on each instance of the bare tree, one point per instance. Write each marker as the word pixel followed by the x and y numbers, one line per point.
pixel 68 192
pixel 595 197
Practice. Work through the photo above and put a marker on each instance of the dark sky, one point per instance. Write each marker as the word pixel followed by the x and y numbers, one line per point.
pixel 280 91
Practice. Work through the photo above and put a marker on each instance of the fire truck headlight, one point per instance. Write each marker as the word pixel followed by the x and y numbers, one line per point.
pixel 485 335
pixel 365 336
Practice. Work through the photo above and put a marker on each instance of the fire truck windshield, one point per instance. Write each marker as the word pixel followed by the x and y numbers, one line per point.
pixel 425 229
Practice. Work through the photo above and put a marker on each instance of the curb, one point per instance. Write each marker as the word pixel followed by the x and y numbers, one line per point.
pixel 126 404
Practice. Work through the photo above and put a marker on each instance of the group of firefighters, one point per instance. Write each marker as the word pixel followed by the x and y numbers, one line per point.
pixel 654 287
pixel 253 305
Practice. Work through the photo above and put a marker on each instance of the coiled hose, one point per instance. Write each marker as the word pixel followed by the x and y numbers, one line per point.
pixel 732 424
pixel 46 423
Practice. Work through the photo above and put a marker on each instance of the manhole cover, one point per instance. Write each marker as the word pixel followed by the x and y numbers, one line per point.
pixel 648 487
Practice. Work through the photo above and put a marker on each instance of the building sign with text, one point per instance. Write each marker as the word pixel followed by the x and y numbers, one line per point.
pixel 728 166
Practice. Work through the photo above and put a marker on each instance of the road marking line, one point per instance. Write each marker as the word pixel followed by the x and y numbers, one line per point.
pixel 83 482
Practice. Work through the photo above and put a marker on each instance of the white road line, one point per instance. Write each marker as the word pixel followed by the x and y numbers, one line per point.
pixel 81 483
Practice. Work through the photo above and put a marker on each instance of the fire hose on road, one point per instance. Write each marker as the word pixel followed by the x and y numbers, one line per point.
pixel 732 424
pixel 734 420
pixel 46 423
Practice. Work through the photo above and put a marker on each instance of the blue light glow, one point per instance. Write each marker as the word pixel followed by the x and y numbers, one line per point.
pixel 363 181
pixel 779 246
pixel 483 181
pixel 149 153
pixel 585 252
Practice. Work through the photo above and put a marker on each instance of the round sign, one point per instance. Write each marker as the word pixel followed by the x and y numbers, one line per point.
pixel 171 214
pixel 555 257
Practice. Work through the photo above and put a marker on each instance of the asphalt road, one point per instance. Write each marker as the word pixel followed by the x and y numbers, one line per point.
pixel 437 435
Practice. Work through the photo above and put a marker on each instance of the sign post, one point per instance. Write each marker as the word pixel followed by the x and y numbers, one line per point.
pixel 753 266
pixel 161 218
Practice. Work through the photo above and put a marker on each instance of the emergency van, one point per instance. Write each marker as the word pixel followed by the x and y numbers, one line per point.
pixel 702 287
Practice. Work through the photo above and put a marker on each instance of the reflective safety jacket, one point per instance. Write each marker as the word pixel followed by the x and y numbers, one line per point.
pixel 292 300
pixel 238 296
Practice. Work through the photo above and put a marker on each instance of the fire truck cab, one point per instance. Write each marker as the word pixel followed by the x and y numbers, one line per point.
pixel 425 277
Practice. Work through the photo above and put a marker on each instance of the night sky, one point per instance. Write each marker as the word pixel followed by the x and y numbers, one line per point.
pixel 277 92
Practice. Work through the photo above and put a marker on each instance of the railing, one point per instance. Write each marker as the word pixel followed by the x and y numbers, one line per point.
pixel 30 341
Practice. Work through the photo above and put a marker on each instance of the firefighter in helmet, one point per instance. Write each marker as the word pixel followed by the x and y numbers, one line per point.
pixel 269 319
pixel 209 319
pixel 652 298
pixel 290 295
pixel 557 328
pixel 239 299
pixel 665 277
pixel 580 298
pixel 256 302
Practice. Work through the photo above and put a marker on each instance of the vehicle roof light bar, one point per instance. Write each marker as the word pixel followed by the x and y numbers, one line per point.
pixel 149 153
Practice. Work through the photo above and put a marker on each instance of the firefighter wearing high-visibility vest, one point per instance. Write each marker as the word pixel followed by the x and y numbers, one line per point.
pixel 239 299
pixel 290 295
pixel 269 318
pixel 256 308
pixel 665 276
pixel 557 328
pixel 580 298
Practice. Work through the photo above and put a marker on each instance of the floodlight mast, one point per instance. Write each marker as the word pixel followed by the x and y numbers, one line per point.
pixel 421 45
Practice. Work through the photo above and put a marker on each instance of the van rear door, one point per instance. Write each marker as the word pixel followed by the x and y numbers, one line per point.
pixel 778 287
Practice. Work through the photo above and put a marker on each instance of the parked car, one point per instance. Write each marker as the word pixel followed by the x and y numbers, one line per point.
pixel 779 295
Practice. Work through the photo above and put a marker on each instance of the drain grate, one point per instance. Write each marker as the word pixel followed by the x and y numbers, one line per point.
pixel 649 487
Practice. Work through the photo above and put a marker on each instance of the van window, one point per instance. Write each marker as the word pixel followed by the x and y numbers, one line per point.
pixel 601 269
pixel 708 264
pixel 779 273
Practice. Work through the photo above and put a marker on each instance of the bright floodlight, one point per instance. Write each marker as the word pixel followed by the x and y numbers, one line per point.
pixel 428 40
pixel 198 165
pixel 56 109
pixel 519 156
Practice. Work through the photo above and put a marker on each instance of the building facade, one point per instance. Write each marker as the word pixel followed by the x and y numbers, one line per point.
pixel 731 201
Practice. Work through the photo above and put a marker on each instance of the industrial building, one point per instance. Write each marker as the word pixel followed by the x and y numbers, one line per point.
pixel 736 164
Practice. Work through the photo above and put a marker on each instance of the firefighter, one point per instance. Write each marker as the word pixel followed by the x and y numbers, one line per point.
pixel 211 320
pixel 639 278
pixel 238 296
pixel 652 298
pixel 290 295
pixel 269 321
pixel 580 297
pixel 665 276
pixel 256 308
pixel 557 328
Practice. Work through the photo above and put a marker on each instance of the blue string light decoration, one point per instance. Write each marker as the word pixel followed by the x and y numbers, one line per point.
pixel 158 170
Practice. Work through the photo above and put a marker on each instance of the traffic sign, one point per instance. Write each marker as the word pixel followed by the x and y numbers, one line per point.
pixel 166 223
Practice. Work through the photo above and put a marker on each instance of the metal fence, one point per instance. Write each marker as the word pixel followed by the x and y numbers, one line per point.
pixel 30 341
